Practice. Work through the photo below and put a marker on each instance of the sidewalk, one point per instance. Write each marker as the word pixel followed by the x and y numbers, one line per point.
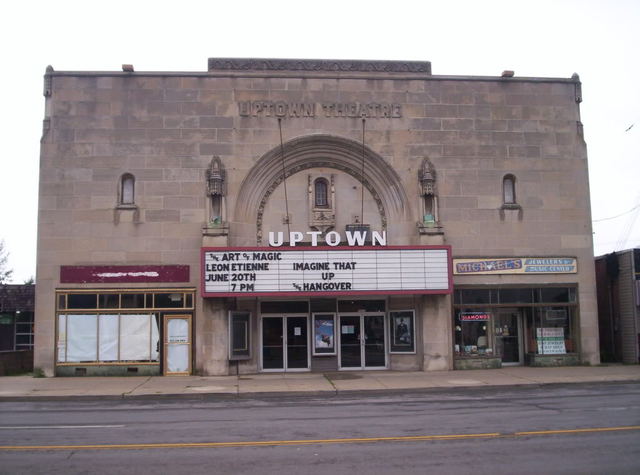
pixel 274 384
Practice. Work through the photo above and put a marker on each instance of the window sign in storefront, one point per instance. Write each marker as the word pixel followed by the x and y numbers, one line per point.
pixel 402 331
pixel 324 334
pixel 329 271
pixel 474 317
pixel 178 331
pixel 472 334
pixel 559 315
pixel 348 329
pixel 550 341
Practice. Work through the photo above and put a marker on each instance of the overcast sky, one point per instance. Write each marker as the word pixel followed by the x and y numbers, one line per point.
pixel 597 39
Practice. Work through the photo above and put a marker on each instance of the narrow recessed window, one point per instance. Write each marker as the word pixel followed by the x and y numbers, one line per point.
pixel 321 193
pixel 127 189
pixel 509 189
pixel 429 209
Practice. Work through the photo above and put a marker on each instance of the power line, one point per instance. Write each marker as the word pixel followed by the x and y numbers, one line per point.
pixel 284 178
pixel 616 216
pixel 624 236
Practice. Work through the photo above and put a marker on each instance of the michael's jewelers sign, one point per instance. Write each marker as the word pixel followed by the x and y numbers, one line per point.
pixel 290 271
pixel 515 265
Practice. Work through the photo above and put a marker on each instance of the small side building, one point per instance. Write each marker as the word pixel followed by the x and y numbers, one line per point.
pixel 16 328
pixel 618 283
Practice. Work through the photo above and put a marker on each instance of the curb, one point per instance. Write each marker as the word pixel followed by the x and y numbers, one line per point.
pixel 305 394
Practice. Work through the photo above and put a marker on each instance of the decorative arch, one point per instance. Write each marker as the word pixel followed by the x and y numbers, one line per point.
pixel 320 151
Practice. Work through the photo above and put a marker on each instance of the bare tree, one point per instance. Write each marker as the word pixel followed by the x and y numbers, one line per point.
pixel 5 273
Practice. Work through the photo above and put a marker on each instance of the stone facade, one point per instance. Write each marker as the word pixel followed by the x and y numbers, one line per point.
pixel 165 128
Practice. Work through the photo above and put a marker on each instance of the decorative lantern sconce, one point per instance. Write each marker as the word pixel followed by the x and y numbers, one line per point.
pixel 428 193
pixel 429 222
pixel 216 191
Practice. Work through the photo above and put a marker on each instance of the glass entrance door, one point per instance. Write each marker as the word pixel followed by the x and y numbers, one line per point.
pixel 374 351
pixel 297 343
pixel 285 343
pixel 272 343
pixel 508 331
pixel 362 342
pixel 350 350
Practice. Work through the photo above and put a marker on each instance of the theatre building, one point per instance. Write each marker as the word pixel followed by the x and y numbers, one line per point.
pixel 311 215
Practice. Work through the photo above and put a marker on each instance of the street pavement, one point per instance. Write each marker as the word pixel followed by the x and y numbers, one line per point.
pixel 286 384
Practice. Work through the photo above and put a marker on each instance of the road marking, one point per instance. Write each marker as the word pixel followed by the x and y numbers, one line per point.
pixel 57 427
pixel 415 438
pixel 247 444
pixel 577 431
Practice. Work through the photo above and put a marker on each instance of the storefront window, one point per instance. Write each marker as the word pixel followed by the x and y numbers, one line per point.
pixel 173 300
pixel 557 294
pixel 70 300
pixel 476 296
pixel 95 338
pixel 472 333
pixel 132 301
pixel 515 321
pixel 113 326
pixel 550 331
pixel 109 301
pixel 516 295
pixel 82 301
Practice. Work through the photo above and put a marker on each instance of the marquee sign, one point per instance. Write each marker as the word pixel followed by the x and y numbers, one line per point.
pixel 260 271
pixel 515 265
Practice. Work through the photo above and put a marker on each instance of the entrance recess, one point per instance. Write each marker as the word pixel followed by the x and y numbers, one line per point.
pixel 508 333
pixel 285 343
pixel 177 344
pixel 362 341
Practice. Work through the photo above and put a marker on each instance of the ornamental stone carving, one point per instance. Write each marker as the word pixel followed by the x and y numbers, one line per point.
pixel 216 178
pixel 216 181
pixel 429 222
pixel 427 178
